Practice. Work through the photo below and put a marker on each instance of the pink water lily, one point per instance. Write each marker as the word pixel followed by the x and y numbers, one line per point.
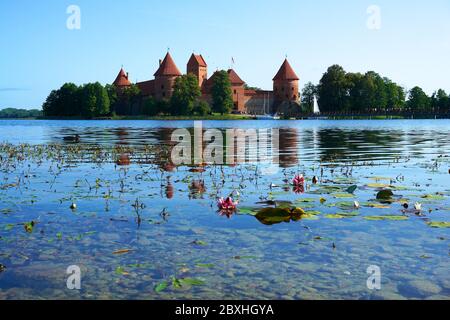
pixel 227 204
pixel 298 180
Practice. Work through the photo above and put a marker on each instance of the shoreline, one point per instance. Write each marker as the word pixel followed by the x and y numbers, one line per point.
pixel 239 117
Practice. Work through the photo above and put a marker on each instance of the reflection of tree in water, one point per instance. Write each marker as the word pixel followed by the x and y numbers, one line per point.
pixel 361 145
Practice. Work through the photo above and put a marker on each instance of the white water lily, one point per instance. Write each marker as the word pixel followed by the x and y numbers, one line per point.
pixel 73 206
pixel 418 206
pixel 356 204
pixel 235 193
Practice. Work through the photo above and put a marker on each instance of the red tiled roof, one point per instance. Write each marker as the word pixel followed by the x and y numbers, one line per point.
pixel 234 78
pixel 122 79
pixel 167 67
pixel 147 87
pixel 286 72
pixel 232 75
pixel 198 59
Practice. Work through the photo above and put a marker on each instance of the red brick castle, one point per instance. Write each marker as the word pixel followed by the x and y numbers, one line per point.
pixel 284 97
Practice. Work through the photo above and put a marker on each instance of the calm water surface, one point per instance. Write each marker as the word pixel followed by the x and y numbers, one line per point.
pixel 150 230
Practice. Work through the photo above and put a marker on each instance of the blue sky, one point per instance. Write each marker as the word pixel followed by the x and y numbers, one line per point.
pixel 38 53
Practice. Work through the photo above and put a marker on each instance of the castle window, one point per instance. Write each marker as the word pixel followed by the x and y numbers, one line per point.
pixel 234 91
pixel 162 86
pixel 292 88
pixel 163 94
pixel 287 96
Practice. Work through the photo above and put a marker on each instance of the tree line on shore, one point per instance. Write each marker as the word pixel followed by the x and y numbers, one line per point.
pixel 345 92
pixel 338 92
pixel 13 113
pixel 95 100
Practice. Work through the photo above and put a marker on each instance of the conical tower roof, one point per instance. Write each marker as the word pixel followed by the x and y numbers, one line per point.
pixel 286 72
pixel 122 79
pixel 167 67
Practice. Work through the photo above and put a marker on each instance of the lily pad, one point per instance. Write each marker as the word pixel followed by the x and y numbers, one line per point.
pixel 435 197
pixel 387 217
pixel 305 200
pixel 439 224
pixel 342 215
pixel 161 286
pixel 376 205
pixel 121 271
pixel 270 216
pixel 247 211
pixel 378 185
pixel 191 282
pixel 204 265
pixel 343 195
pixel 385 194
pixel 352 189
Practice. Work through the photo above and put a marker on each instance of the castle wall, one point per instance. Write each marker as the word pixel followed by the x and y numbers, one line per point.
pixel 257 101
pixel 164 87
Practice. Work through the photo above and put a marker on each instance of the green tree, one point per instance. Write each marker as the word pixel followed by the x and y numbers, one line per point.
pixel 418 101
pixel 308 93
pixel 379 95
pixel 222 99
pixel 185 94
pixel 94 100
pixel 202 108
pixel 357 83
pixel 69 100
pixel 13 113
pixel 50 106
pixel 440 101
pixel 130 99
pixel 113 97
pixel 395 95
pixel 333 90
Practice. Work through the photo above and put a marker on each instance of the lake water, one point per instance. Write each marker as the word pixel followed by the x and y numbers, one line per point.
pixel 152 230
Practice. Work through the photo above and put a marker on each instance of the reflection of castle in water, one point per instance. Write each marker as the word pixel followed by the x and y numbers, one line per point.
pixel 154 145
pixel 288 147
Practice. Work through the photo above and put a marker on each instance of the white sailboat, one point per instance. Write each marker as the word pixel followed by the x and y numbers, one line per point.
pixel 267 116
pixel 316 109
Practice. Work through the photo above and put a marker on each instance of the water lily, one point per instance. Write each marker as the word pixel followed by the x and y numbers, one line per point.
pixel 298 180
pixel 418 206
pixel 356 204
pixel 315 180
pixel 227 204
pixel 300 188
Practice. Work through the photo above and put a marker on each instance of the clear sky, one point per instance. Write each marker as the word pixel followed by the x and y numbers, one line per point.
pixel 39 53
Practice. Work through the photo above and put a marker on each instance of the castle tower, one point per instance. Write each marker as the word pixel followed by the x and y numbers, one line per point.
pixel 285 84
pixel 165 77
pixel 122 81
pixel 198 67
